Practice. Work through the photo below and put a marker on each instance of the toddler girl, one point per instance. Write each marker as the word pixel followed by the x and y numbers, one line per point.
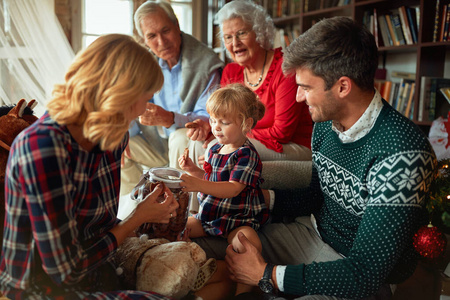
pixel 230 196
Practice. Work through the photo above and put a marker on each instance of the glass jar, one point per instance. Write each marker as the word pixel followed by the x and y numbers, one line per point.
pixel 171 179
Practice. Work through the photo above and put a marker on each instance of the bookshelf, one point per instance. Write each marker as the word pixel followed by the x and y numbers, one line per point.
pixel 421 56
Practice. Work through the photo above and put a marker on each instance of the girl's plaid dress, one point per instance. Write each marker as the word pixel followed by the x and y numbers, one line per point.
pixel 219 216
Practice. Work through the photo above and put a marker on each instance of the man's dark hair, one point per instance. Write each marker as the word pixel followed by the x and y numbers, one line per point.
pixel 333 48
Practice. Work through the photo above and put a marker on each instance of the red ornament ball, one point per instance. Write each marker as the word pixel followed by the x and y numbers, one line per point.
pixel 429 241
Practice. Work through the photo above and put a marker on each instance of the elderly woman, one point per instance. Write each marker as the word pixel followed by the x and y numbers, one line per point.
pixel 285 131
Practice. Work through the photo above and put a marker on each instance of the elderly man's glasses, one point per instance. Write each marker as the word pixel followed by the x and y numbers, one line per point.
pixel 240 35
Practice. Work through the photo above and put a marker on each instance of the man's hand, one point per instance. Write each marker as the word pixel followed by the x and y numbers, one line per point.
pixel 155 115
pixel 200 132
pixel 246 267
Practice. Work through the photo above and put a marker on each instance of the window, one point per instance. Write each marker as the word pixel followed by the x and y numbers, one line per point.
pixel 104 17
pixel 116 16
pixel 183 11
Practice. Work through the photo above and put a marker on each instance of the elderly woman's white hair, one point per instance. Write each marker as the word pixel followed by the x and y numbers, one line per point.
pixel 251 14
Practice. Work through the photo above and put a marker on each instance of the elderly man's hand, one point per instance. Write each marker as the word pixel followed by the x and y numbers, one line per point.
pixel 200 131
pixel 155 115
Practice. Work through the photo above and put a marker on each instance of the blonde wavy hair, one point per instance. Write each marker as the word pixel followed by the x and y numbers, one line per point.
pixel 102 85
pixel 236 102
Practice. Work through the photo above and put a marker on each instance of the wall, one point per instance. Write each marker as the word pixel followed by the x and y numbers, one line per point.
pixel 64 13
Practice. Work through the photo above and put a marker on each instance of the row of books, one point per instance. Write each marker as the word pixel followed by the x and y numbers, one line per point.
pixel 311 5
pixel 400 95
pixel 442 25
pixel 285 36
pixel 396 27
pixel 280 8
pixel 434 98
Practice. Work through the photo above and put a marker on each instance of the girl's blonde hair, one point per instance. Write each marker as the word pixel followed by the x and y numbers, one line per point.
pixel 102 85
pixel 237 102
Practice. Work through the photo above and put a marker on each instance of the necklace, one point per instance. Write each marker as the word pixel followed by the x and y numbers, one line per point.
pixel 260 76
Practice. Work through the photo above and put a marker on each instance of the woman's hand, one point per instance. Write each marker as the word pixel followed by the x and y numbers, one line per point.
pixel 153 211
pixel 246 267
pixel 149 210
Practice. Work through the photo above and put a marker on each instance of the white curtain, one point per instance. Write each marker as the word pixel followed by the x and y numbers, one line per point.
pixel 34 52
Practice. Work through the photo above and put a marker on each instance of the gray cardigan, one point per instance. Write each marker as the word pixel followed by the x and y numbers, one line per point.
pixel 198 62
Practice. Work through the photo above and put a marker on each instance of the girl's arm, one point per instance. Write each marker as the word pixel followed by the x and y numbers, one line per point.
pixel 221 189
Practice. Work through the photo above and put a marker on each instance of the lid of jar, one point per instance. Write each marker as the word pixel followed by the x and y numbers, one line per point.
pixel 170 176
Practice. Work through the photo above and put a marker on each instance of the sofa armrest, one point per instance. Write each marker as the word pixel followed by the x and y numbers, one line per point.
pixel 282 174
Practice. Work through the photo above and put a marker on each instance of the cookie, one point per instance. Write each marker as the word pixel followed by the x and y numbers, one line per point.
pixel 191 125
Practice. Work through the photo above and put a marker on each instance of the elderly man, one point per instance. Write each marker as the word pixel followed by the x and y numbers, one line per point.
pixel 191 72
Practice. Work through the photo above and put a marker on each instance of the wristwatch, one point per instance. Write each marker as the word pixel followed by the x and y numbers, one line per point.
pixel 265 284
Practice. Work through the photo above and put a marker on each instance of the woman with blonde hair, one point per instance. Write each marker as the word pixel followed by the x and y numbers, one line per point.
pixel 64 176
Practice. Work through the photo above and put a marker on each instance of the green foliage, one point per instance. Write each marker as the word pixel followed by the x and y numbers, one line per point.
pixel 438 197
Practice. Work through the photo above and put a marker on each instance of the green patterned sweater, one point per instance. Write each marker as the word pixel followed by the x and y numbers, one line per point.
pixel 368 199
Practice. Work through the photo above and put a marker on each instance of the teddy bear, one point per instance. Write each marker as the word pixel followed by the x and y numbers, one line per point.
pixel 171 269
pixel 13 119
pixel 157 260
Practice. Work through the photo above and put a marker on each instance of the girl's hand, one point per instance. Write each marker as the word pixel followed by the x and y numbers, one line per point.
pixel 152 211
pixel 190 183
pixel 186 164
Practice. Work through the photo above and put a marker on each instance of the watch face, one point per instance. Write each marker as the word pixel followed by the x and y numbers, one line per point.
pixel 265 286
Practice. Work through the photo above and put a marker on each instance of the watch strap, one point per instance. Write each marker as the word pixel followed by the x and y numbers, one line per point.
pixel 268 271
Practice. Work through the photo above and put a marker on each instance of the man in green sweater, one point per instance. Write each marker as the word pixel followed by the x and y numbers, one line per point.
pixel 352 228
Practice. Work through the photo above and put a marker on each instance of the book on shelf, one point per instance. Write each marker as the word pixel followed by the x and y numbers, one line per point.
pixel 409 106
pixel 386 90
pixel 445 23
pixel 384 30
pixel 374 24
pixel 439 102
pixel 436 22
pixel 417 11
pixel 403 95
pixel 405 75
pixel 390 26
pixel 424 99
pixel 370 21
pixel 295 7
pixel 413 23
pixel 394 93
pixel 311 5
pixel 443 17
pixel 398 31
pixel 405 25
